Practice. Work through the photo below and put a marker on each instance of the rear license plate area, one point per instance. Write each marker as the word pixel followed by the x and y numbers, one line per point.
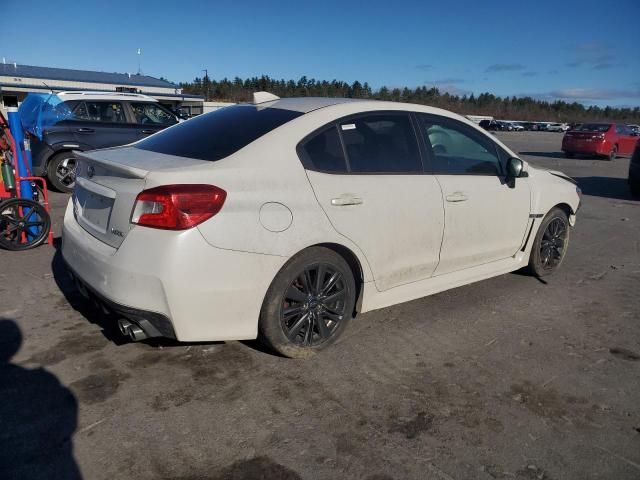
pixel 91 209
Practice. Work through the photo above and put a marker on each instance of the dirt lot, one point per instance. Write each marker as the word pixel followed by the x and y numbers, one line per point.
pixel 507 378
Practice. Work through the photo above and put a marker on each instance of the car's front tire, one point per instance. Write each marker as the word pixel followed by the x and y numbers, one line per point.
pixel 308 304
pixel 551 243
pixel 61 171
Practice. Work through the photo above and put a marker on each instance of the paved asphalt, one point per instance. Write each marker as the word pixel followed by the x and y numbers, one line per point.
pixel 507 378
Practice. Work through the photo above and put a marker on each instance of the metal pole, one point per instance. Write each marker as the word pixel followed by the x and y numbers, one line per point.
pixel 206 75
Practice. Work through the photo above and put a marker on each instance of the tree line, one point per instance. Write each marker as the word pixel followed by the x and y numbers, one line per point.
pixel 514 108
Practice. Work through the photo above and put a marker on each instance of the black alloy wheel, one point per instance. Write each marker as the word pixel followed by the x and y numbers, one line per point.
pixel 550 245
pixel 309 303
pixel 313 305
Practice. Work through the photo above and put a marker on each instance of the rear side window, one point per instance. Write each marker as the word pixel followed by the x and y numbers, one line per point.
pixel 107 112
pixel 594 127
pixel 382 143
pixel 152 114
pixel 325 152
pixel 218 134
pixel 623 130
pixel 376 143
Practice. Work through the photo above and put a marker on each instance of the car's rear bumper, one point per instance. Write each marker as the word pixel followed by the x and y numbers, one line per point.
pixel 599 148
pixel 152 324
pixel 175 281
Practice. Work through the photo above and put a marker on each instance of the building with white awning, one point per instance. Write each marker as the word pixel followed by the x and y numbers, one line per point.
pixel 16 81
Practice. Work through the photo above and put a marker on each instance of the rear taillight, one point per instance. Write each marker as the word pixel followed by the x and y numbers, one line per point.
pixel 177 207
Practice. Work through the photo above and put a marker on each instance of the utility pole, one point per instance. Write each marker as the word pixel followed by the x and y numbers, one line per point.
pixel 206 79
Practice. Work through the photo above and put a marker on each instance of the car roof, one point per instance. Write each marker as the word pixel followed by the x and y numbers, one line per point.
pixel 310 104
pixel 307 104
pixel 79 95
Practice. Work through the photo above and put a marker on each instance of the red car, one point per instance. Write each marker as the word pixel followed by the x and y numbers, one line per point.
pixel 602 139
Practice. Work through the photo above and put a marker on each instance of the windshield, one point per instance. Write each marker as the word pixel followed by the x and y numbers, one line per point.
pixel 218 134
pixel 594 127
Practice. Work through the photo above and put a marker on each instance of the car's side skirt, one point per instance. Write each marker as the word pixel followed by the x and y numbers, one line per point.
pixel 373 299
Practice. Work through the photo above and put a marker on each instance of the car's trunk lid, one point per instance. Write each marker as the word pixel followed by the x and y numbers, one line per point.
pixel 107 184
pixel 583 134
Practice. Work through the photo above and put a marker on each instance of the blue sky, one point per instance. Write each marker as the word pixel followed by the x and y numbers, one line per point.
pixel 585 50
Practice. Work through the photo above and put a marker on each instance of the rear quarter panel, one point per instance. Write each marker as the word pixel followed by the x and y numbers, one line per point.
pixel 267 171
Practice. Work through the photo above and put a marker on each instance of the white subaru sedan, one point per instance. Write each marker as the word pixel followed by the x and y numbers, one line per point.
pixel 284 218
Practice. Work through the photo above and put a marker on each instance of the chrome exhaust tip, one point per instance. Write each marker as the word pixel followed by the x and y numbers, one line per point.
pixel 124 326
pixel 136 333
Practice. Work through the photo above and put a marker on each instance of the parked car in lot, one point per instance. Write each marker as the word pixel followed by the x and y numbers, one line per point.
pixel 99 120
pixel 556 127
pixel 601 139
pixel 517 127
pixel 505 126
pixel 496 125
pixel 282 219
pixel 490 125
pixel 634 171
pixel 635 129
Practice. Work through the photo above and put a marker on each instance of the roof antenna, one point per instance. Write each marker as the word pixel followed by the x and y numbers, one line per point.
pixel 51 92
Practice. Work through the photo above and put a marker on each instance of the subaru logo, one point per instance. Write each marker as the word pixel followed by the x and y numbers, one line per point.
pixel 90 171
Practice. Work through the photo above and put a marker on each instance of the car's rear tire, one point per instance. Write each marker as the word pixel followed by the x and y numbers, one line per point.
pixel 308 304
pixel 551 243
pixel 61 171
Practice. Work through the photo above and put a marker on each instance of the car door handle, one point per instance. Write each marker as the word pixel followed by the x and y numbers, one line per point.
pixel 85 130
pixel 457 197
pixel 344 200
pixel 148 132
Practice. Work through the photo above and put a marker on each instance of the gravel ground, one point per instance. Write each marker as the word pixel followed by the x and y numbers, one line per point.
pixel 507 378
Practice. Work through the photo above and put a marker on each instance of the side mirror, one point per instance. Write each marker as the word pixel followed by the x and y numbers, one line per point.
pixel 515 168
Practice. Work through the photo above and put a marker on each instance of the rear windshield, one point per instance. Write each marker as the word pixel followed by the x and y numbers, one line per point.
pixel 218 134
pixel 594 127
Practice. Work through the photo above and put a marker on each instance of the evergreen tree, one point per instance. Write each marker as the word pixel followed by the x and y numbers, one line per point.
pixel 512 108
